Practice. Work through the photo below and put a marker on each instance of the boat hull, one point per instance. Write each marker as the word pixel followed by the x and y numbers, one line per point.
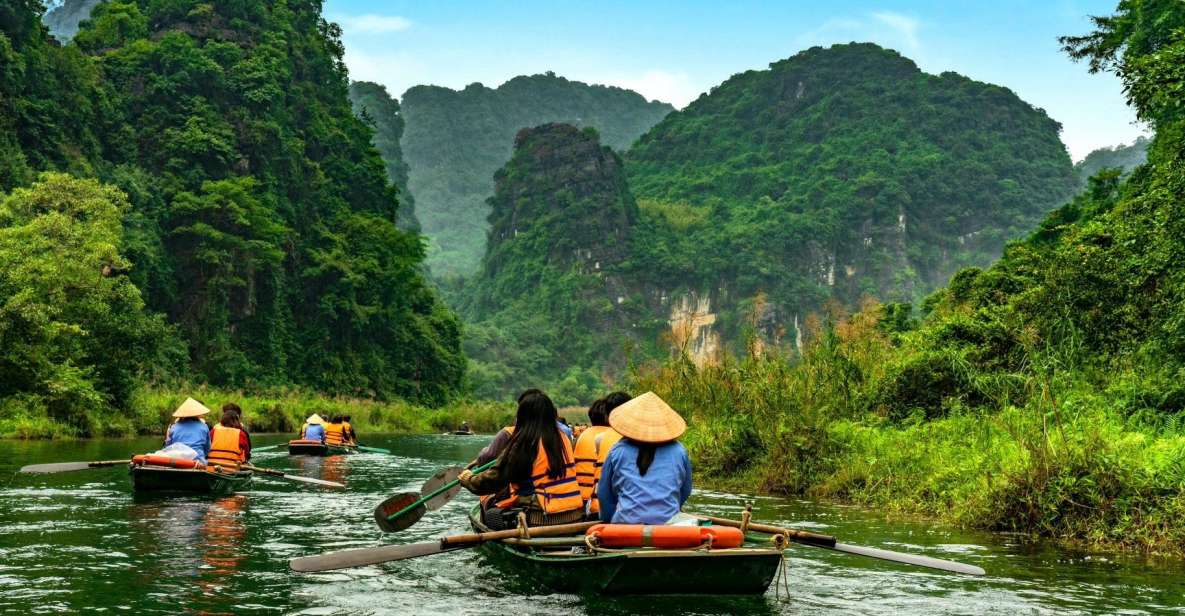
pixel 741 571
pixel 156 479
pixel 319 449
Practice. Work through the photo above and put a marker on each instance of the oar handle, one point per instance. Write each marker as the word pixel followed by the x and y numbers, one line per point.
pixel 438 491
pixel 260 469
pixel 102 463
pixel 797 536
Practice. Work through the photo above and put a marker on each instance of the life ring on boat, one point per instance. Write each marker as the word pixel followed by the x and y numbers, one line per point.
pixel 166 461
pixel 648 536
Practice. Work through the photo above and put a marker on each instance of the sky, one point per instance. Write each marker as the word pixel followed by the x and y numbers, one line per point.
pixel 674 51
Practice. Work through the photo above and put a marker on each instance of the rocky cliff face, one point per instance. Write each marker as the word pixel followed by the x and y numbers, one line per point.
pixel 63 16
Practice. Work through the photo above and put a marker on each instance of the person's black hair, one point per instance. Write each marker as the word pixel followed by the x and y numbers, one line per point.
pixel 597 415
pixel 529 392
pixel 563 420
pixel 645 456
pixel 534 424
pixel 231 406
pixel 615 400
pixel 347 418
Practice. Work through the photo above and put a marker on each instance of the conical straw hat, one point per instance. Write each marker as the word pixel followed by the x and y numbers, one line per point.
pixel 191 408
pixel 647 419
pixel 314 419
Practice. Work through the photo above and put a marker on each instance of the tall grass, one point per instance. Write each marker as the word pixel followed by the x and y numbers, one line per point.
pixel 1045 448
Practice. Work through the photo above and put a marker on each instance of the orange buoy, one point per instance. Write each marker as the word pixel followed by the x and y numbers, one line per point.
pixel 648 536
pixel 155 460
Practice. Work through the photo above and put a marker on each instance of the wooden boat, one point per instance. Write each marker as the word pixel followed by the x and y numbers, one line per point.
pixel 150 478
pixel 301 447
pixel 464 432
pixel 747 570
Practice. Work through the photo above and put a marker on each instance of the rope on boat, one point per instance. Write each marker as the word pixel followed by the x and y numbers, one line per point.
pixel 782 577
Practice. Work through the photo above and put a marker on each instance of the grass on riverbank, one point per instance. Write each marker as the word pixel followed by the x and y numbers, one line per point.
pixel 275 411
pixel 1056 454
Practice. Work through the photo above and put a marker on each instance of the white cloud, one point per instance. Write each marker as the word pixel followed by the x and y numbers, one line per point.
pixel 371 23
pixel 905 26
pixel 674 88
pixel 887 28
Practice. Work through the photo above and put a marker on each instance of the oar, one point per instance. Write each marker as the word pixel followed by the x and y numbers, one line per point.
pixel 373 449
pixel 406 508
pixel 62 467
pixel 269 447
pixel 830 543
pixel 275 473
pixel 387 553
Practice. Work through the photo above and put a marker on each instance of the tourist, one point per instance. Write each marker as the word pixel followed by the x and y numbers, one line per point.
pixel 351 438
pixel 646 477
pixel 314 429
pixel 593 447
pixel 189 429
pixel 536 472
pixel 229 446
pixel 238 411
pixel 335 432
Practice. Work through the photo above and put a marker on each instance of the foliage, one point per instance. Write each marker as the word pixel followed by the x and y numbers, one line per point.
pixel 456 140
pixel 1041 395
pixel 74 335
pixel 544 310
pixel 1122 157
pixel 374 106
pixel 840 173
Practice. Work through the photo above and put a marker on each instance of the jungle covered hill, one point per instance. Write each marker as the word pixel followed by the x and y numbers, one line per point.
pixel 188 194
pixel 456 140
pixel 836 174
pixel 1041 395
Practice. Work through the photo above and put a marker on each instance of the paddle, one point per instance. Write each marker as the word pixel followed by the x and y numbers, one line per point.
pixel 830 543
pixel 373 449
pixel 62 467
pixel 406 508
pixel 268 447
pixel 275 473
pixel 387 553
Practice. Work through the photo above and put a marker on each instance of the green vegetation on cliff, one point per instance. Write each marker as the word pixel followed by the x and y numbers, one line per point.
pixel 839 173
pixel 1123 157
pixel 546 308
pixel 253 213
pixel 456 140
pixel 1041 395
pixel 375 107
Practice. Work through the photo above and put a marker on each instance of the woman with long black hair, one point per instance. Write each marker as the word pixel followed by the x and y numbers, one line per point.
pixel 535 473
pixel 646 477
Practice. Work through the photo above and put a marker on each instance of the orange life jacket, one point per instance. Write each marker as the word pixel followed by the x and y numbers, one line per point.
pixel 225 450
pixel 335 434
pixel 553 495
pixel 347 430
pixel 591 449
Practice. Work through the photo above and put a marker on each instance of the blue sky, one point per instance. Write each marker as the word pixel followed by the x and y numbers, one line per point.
pixel 673 51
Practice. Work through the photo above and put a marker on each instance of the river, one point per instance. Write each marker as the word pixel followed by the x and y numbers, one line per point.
pixel 80 542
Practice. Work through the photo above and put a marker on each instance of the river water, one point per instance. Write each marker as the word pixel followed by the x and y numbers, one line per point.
pixel 80 542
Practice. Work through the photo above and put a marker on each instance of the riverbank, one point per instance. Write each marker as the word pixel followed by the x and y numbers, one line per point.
pixel 1060 454
pixel 269 411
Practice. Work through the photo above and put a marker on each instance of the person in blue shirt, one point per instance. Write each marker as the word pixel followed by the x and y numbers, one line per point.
pixel 314 428
pixel 646 477
pixel 562 424
pixel 189 429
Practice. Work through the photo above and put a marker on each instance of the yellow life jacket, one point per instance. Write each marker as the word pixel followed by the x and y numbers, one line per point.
pixel 553 495
pixel 335 434
pixel 225 450
pixel 591 449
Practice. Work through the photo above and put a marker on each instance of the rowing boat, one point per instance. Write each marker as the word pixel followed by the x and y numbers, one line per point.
pixel 552 563
pixel 301 447
pixel 150 478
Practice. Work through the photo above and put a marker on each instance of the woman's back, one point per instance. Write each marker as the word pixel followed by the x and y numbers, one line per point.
pixel 191 432
pixel 628 497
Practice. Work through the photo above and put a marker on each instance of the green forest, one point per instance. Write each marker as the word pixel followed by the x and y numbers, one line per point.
pixel 202 205
pixel 456 140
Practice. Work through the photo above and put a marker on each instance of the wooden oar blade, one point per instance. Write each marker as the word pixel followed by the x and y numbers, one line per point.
pixel 910 559
pixel 315 481
pixel 60 467
pixel 442 477
pixel 366 556
pixel 384 511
